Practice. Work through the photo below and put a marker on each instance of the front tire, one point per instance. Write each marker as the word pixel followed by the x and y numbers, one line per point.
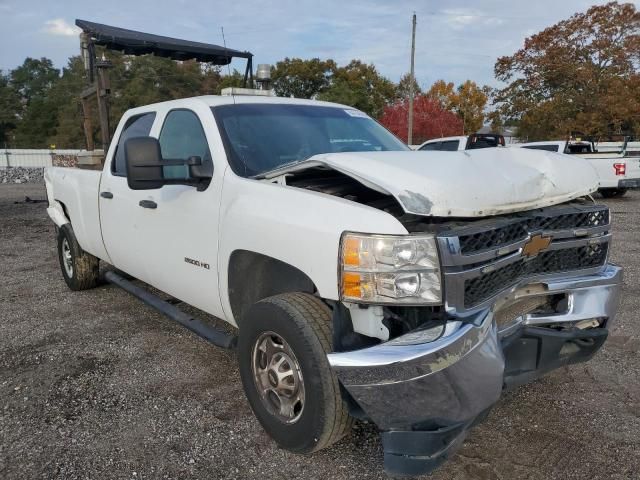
pixel 282 354
pixel 79 268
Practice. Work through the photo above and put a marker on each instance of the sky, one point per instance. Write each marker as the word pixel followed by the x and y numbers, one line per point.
pixel 455 40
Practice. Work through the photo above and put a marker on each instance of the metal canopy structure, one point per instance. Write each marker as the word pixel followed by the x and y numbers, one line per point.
pixel 132 42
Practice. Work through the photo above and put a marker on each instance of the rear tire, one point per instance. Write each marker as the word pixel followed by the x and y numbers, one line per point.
pixel 613 192
pixel 79 268
pixel 291 333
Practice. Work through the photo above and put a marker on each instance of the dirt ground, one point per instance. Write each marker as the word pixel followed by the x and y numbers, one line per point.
pixel 95 385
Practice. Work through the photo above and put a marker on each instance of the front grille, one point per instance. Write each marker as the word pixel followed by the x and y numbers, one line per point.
pixel 519 229
pixel 487 285
pixel 568 221
pixel 487 239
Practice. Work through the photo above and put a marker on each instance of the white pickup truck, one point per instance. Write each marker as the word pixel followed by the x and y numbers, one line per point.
pixel 617 170
pixel 471 142
pixel 362 279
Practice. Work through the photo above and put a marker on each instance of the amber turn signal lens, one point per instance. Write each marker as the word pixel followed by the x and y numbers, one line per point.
pixel 351 285
pixel 351 252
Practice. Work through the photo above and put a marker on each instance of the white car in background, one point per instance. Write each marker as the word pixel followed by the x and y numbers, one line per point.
pixel 618 170
pixel 471 142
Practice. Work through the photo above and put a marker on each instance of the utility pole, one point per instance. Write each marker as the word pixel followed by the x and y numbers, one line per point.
pixel 412 81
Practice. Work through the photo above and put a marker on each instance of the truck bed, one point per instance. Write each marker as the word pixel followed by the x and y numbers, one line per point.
pixel 73 197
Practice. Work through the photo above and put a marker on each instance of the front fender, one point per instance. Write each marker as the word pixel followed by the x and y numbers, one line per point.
pixel 56 213
pixel 299 227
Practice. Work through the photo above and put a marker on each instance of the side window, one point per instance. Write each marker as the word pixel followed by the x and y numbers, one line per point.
pixel 450 146
pixel 182 136
pixel 138 126
pixel 431 146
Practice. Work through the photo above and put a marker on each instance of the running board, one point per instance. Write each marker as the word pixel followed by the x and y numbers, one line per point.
pixel 212 334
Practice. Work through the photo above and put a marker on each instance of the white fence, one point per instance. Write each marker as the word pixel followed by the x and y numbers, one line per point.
pixel 12 157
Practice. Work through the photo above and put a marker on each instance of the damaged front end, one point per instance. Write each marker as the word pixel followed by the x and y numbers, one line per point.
pixel 522 294
pixel 425 397
pixel 518 283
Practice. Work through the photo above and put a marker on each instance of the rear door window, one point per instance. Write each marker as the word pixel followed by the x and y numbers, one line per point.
pixel 136 126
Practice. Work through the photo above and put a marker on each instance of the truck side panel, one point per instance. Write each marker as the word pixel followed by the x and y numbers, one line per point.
pixel 76 192
pixel 298 227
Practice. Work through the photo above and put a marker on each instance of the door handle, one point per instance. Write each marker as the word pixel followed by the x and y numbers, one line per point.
pixel 106 194
pixel 148 204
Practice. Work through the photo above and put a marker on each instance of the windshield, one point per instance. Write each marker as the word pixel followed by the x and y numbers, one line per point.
pixel 262 137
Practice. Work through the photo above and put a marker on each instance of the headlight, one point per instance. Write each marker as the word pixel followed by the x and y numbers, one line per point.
pixel 390 269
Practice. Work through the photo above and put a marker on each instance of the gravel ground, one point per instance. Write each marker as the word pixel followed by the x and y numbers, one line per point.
pixel 21 175
pixel 95 385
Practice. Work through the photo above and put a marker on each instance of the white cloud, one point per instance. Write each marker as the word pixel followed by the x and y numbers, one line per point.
pixel 460 17
pixel 59 26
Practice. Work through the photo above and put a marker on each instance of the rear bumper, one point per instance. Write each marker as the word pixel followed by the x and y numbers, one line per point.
pixel 629 183
pixel 425 397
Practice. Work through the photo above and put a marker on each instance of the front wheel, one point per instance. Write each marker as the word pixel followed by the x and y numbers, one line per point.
pixel 282 354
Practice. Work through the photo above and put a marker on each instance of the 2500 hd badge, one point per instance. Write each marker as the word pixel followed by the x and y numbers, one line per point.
pixel 197 263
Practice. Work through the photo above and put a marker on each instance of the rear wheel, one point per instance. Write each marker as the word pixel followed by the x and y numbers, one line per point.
pixel 282 354
pixel 612 192
pixel 79 269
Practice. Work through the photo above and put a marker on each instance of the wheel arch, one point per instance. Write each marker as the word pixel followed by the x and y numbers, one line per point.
pixel 253 276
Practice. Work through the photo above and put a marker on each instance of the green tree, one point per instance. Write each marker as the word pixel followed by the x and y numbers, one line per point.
pixel 9 109
pixel 33 82
pixel 234 79
pixel 361 86
pixel 69 131
pixel 34 78
pixel 403 89
pixel 38 124
pixel 579 74
pixel 294 77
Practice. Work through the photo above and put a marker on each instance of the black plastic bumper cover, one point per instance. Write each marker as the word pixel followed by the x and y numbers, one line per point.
pixel 534 351
pixel 420 452
pixel 529 353
pixel 629 183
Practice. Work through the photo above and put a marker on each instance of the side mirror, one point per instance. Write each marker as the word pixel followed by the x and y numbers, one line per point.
pixel 199 168
pixel 143 159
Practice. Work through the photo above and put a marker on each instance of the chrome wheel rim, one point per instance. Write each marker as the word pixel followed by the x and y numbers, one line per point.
pixel 278 377
pixel 67 260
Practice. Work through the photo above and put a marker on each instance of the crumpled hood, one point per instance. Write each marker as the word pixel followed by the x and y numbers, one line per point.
pixel 473 183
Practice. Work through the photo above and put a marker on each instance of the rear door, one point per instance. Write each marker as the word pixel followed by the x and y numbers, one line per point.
pixel 120 217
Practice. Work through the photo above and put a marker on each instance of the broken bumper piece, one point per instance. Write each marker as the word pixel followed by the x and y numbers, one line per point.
pixel 425 397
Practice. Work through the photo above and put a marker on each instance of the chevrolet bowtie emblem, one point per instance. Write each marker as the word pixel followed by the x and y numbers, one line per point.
pixel 535 245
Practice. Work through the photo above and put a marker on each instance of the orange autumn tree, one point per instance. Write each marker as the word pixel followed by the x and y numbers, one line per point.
pixel 430 120
pixel 581 74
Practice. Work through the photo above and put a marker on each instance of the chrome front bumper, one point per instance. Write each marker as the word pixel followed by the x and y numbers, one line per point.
pixel 424 397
